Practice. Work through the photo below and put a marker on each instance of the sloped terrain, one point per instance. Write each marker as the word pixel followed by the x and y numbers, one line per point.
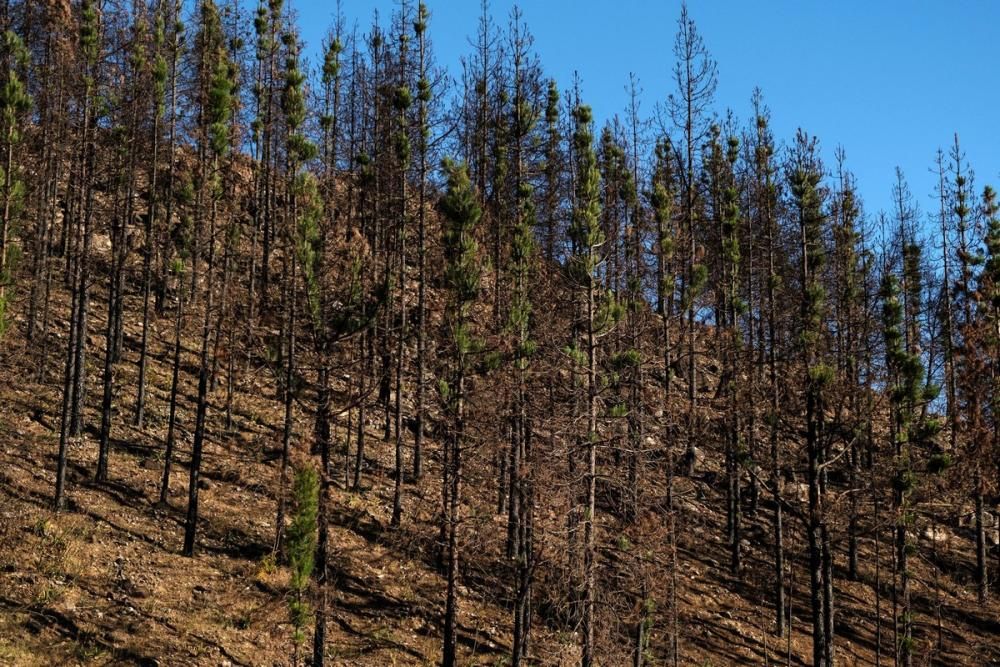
pixel 104 581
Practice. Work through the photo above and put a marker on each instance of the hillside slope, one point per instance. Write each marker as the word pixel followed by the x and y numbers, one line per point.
pixel 104 582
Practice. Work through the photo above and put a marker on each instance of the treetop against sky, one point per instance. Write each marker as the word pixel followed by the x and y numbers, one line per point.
pixel 890 82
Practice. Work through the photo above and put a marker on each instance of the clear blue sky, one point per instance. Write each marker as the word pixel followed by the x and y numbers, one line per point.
pixel 890 81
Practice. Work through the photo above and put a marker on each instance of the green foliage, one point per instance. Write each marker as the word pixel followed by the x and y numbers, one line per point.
pixel 424 92
pixel 220 106
pixel 552 105
pixel 926 431
pixel 331 61
pixel 699 278
pixel 138 56
pixel 221 84
pixel 804 176
pixel 989 280
pixel 522 256
pixel 465 342
pixel 444 391
pixel 308 242
pixel 624 360
pixel 401 144
pixel 618 410
pixel 6 297
pixel 463 270
pixel 15 103
pixel 492 361
pixel 301 545
pixel 293 103
pixel 576 355
pixel 722 163
pixel 912 273
pixel 402 99
pixel 420 24
pixel 906 369
pixel 585 229
pixel 89 29
pixel 662 199
pixel 614 169
pixel 159 67
pixel 609 313
pixel 462 213
pixel 260 22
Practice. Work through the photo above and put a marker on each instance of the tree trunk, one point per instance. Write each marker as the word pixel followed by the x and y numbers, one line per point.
pixel 814 530
pixel 174 382
pixel 454 483
pixel 982 580
pixel 322 517
pixel 591 478
pixel 191 520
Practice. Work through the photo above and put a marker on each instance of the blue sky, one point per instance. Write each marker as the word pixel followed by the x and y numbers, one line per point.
pixel 889 80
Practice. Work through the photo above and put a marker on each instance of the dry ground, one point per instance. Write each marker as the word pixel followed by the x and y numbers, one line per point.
pixel 104 583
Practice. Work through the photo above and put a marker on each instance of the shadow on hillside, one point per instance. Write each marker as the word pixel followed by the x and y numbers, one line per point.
pixel 41 617
pixel 376 604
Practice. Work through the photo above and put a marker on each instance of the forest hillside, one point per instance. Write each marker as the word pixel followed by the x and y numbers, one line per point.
pixel 365 363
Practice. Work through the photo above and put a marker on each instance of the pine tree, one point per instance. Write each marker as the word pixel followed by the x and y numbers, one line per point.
pixel 159 74
pixel 312 247
pixel 462 276
pixel 848 315
pixel 804 179
pixel 911 433
pixel 523 117
pixel 53 122
pixel 947 315
pixel 663 199
pixel 588 240
pixel 967 390
pixel 765 195
pixel 15 102
pixel 552 172
pixel 214 142
pixel 126 129
pixel 695 75
pixel 424 94
pixel 265 26
pixel 402 100
pixel 724 189
pixel 636 236
pixel 78 258
pixel 176 244
pixel 989 295
pixel 299 218
pixel 523 251
pixel 302 551
pixel 178 252
pixel 283 254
